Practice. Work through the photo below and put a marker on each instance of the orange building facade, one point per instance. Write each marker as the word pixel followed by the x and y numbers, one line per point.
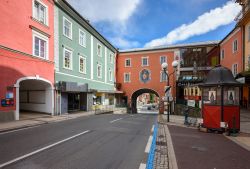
pixel 27 57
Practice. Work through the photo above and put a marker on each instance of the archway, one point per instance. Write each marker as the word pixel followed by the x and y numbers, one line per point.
pixel 34 94
pixel 138 93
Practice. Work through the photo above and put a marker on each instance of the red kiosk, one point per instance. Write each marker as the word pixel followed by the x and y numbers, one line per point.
pixel 220 100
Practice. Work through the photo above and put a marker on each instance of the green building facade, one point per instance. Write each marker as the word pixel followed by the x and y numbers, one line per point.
pixel 84 63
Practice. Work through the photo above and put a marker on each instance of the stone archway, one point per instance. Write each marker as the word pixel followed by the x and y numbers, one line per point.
pixel 138 93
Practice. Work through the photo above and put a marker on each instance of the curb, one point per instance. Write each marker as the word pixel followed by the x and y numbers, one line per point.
pixel 150 161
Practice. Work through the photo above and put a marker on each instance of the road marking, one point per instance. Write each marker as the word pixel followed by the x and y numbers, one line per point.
pixel 115 120
pixel 12 131
pixel 152 128
pixel 147 149
pixel 142 166
pixel 42 149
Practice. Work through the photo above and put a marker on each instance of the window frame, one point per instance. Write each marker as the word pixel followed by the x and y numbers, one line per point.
pixel 235 42
pixel 233 69
pixel 71 27
pixel 110 75
pixel 145 57
pixel 71 58
pixel 249 31
pixel 222 51
pixel 111 58
pixel 161 79
pixel 46 20
pixel 163 57
pixel 100 55
pixel 44 38
pixel 99 65
pixel 124 77
pixel 84 40
pixel 129 62
pixel 84 60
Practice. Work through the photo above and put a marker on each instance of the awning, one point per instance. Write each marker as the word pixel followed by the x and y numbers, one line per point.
pixel 110 91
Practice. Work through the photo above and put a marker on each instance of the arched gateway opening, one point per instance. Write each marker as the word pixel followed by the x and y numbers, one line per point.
pixel 34 95
pixel 136 94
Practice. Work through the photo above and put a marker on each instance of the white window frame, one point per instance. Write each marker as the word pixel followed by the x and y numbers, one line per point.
pixel 124 77
pixel 71 25
pixel 161 79
pixel 145 57
pixel 129 62
pixel 233 70
pixel 100 70
pixel 45 38
pixel 110 75
pixel 111 58
pixel 46 12
pixel 163 57
pixel 84 38
pixel 71 58
pixel 234 46
pixel 100 55
pixel 84 61
pixel 222 54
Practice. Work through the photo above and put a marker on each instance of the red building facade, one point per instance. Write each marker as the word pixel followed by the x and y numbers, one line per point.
pixel 27 57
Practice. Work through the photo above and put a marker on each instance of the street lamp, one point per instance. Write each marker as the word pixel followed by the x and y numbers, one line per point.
pixel 164 67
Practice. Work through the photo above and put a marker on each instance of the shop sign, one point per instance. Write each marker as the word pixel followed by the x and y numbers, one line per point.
pixel 191 103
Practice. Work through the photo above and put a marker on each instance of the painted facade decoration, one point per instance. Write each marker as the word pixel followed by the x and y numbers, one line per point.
pixel 145 76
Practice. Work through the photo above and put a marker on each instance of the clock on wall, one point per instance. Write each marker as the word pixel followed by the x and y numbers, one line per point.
pixel 145 76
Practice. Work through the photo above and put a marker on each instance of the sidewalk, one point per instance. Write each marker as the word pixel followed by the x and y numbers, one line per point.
pixel 26 122
pixel 167 154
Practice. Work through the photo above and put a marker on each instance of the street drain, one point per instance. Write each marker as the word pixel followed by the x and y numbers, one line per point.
pixel 199 148
pixel 161 143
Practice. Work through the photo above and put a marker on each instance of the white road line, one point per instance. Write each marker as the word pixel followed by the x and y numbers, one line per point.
pixel 115 120
pixel 12 131
pixel 42 149
pixel 153 127
pixel 142 166
pixel 147 149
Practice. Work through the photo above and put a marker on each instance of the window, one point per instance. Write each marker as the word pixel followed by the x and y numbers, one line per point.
pixel 67 59
pixel 82 38
pixel 40 12
pixel 40 45
pixel 235 69
pixel 99 71
pixel 235 46
pixel 128 62
pixel 163 59
pixel 126 77
pixel 144 61
pixel 111 58
pixel 163 77
pixel 222 54
pixel 99 50
pixel 82 64
pixel 110 75
pixel 248 62
pixel 67 28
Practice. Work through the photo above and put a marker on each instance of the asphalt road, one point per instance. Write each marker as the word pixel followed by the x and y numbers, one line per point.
pixel 100 142
pixel 196 150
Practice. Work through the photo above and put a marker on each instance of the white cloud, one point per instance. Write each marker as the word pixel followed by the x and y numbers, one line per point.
pixel 205 23
pixel 123 43
pixel 106 10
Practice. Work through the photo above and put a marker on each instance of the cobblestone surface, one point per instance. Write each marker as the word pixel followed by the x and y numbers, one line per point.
pixel 161 152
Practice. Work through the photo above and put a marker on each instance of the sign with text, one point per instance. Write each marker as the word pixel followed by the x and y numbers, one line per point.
pixel 191 103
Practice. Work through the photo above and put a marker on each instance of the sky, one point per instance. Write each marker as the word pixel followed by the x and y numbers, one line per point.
pixel 128 24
